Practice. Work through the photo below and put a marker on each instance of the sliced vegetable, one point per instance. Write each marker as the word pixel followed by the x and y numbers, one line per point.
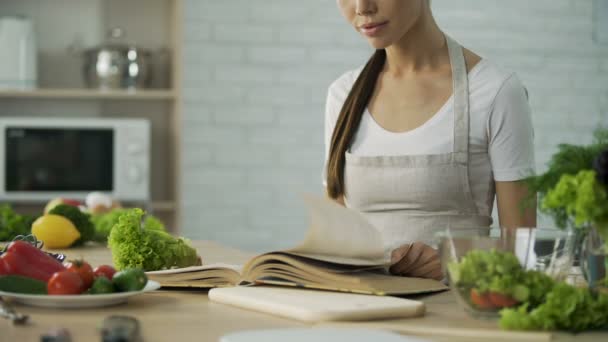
pixel 133 279
pixel 22 258
pixel 501 301
pixel 65 283
pixel 20 284
pixel 486 271
pixel 481 300
pixel 535 302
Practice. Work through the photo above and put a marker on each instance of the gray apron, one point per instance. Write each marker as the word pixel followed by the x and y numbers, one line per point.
pixel 411 197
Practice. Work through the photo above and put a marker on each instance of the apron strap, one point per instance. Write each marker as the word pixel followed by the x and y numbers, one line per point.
pixel 460 78
pixel 461 101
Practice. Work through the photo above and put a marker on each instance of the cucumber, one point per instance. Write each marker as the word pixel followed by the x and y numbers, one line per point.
pixel 19 284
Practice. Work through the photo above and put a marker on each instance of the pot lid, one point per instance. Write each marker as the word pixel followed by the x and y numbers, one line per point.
pixel 116 42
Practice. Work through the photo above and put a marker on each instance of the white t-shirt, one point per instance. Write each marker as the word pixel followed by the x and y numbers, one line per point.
pixel 500 126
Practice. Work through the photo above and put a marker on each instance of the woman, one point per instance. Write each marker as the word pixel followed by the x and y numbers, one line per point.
pixel 425 135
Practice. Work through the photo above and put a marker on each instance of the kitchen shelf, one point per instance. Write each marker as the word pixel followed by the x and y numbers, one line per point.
pixel 62 91
pixel 90 94
pixel 154 205
pixel 163 206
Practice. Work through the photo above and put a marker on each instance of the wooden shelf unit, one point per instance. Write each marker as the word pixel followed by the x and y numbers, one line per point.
pixel 163 206
pixel 62 91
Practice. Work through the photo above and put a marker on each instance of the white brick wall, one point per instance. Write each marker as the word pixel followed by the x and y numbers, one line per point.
pixel 255 81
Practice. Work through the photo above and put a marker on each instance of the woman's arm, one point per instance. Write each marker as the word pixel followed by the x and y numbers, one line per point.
pixel 511 211
pixel 511 149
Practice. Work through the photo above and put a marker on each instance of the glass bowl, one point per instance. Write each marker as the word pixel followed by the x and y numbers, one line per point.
pixel 489 273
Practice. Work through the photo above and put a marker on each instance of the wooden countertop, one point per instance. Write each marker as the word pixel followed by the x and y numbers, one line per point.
pixel 190 316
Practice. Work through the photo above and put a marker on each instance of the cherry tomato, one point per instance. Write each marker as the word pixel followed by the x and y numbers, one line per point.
pixel 64 283
pixel 84 271
pixel 501 300
pixel 104 271
pixel 481 301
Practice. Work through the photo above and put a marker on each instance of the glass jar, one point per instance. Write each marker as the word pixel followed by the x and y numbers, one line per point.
pixel 594 259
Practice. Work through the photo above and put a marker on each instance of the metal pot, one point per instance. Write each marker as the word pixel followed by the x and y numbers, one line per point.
pixel 115 65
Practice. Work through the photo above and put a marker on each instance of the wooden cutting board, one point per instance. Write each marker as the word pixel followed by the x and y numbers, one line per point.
pixel 318 335
pixel 316 306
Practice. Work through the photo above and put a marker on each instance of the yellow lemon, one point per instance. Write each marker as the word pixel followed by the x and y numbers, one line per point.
pixel 55 231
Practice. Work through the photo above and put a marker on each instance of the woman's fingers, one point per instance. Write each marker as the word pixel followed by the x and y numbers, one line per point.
pixel 416 260
pixel 431 267
pixel 398 253
pixel 429 254
pixel 436 274
pixel 427 270
pixel 412 257
pixel 399 260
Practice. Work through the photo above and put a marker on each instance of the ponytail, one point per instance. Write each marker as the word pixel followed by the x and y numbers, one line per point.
pixel 348 121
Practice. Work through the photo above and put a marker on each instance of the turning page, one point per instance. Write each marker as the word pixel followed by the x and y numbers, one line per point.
pixel 340 235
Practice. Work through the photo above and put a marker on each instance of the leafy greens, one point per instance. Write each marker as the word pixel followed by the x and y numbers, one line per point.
pixel 147 245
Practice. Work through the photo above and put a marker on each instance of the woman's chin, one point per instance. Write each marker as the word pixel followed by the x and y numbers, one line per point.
pixel 378 43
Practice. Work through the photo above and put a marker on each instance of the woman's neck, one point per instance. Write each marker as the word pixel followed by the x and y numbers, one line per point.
pixel 421 48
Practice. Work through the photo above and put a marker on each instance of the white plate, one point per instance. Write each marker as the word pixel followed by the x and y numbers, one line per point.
pixel 78 301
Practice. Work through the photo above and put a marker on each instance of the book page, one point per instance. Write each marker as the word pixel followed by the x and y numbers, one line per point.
pixel 235 268
pixel 206 276
pixel 340 235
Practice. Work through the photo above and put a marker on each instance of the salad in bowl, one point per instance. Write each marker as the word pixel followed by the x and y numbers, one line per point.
pixel 491 273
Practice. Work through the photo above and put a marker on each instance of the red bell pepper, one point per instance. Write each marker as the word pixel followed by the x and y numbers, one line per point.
pixel 24 259
pixel 3 268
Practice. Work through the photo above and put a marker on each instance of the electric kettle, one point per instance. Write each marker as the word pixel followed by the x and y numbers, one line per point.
pixel 18 55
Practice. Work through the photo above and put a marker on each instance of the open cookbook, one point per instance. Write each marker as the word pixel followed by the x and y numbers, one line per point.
pixel 341 252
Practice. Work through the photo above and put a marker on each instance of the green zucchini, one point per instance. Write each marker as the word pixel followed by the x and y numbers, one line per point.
pixel 20 284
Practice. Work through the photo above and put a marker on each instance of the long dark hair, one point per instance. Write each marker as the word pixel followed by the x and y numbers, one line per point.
pixel 348 121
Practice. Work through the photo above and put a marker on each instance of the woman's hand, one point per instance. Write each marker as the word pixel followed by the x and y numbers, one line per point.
pixel 416 260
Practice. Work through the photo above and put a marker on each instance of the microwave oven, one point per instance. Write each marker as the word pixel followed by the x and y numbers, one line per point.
pixel 45 158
